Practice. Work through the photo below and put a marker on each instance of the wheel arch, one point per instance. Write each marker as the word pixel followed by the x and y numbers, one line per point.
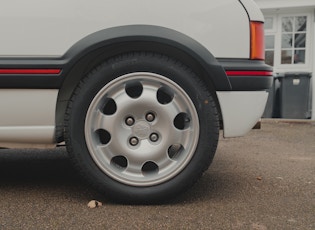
pixel 96 48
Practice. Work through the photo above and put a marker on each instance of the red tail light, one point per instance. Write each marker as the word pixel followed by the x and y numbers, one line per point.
pixel 257 41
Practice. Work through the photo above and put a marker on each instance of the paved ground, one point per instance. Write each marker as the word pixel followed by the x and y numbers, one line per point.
pixel 265 180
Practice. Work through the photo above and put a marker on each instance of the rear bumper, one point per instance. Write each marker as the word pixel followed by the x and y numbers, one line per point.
pixel 241 110
pixel 244 105
pixel 247 75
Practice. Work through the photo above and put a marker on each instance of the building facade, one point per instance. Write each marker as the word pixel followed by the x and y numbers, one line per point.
pixel 290 39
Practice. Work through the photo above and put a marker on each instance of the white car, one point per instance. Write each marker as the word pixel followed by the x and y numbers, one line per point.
pixel 137 89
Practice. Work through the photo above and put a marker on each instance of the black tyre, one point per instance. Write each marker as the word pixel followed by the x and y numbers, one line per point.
pixel 142 128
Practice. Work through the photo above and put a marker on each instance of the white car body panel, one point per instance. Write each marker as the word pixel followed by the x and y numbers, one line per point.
pixel 50 28
pixel 241 110
pixel 253 10
pixel 45 28
pixel 27 116
pixel 27 136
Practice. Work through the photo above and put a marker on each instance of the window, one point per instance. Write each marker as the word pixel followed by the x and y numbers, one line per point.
pixel 293 40
pixel 287 40
pixel 270 49
pixel 270 40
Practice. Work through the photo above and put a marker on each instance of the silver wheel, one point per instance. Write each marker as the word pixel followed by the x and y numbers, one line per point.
pixel 132 127
pixel 141 129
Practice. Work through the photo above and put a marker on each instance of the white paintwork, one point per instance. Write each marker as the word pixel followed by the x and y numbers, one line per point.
pixel 253 10
pixel 27 116
pixel 50 28
pixel 27 134
pixel 241 110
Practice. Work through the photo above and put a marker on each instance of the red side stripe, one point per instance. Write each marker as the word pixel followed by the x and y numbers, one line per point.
pixel 30 71
pixel 248 73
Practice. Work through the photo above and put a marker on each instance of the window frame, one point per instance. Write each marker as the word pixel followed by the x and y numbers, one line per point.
pixel 274 24
pixel 293 48
pixel 276 30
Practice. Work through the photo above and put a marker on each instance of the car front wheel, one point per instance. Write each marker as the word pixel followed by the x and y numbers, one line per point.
pixel 142 127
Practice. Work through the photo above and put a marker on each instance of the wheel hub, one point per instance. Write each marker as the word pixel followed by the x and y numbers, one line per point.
pixel 142 129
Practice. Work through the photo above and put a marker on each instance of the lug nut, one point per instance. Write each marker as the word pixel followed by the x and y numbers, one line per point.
pixel 133 141
pixel 154 137
pixel 150 117
pixel 130 121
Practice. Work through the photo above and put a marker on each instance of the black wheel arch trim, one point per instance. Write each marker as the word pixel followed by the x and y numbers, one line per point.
pixel 98 47
pixel 101 45
pixel 154 39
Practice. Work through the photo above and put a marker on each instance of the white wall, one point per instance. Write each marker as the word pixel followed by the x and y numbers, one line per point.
pixel 273 4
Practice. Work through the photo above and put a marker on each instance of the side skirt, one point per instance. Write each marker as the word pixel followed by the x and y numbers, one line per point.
pixel 27 117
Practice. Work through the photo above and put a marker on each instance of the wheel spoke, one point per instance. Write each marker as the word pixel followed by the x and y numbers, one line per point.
pixel 164 164
pixel 148 96
pixel 180 136
pixel 103 121
pixel 105 154
pixel 134 168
